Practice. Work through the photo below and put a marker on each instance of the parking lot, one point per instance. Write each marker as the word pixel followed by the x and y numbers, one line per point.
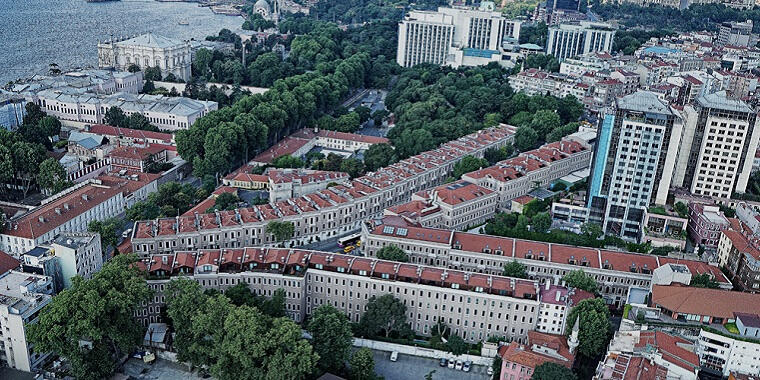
pixel 414 367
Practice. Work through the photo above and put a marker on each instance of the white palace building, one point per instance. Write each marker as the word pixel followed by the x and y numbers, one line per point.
pixel 147 50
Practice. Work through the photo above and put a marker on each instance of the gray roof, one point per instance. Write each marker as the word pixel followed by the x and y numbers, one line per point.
pixel 644 101
pixel 719 100
pixel 151 40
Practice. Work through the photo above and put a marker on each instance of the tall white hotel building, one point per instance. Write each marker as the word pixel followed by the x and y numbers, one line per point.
pixel 570 40
pixel 454 37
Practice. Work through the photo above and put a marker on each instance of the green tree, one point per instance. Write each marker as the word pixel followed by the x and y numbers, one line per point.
pixel 468 164
pixel 594 326
pixel 287 161
pixel 346 123
pixel 384 314
pixel 240 295
pixel 541 222
pixel 704 280
pixel 107 230
pixel 363 112
pixel 552 371
pixel 226 201
pixel 275 306
pixel 98 312
pixel 515 269
pixel 379 156
pixel 281 231
pixel 526 138
pixel 115 117
pixel 52 176
pixel 362 365
pixel 580 280
pixel 392 253
pixel 152 74
pixel 138 121
pixel 254 346
pixel 592 230
pixel 545 121
pixel 133 68
pixel 456 345
pixel 681 209
pixel 27 158
pixel 185 299
pixel 331 337
pixel 353 167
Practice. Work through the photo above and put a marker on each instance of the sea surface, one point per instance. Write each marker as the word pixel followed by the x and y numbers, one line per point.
pixel 35 33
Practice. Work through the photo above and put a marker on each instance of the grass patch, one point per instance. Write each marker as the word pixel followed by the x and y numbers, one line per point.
pixel 626 310
pixel 731 327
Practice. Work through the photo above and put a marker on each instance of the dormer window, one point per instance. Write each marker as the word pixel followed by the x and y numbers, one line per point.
pixel 362 273
pixel 499 252
pixel 207 268
pixel 572 260
pixel 454 286
pixel 275 266
pixel 479 289
pixel 528 255
pixel 486 250
pixel 385 276
pixel 318 266
pixel 341 270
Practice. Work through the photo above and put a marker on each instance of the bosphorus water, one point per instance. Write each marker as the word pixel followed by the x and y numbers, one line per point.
pixel 35 33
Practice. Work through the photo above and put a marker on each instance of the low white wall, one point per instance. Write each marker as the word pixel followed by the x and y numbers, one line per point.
pixel 419 351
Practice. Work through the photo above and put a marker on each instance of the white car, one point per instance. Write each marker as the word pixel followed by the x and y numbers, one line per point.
pixel 489 371
pixel 394 356
pixel 452 362
pixel 459 365
pixel 467 365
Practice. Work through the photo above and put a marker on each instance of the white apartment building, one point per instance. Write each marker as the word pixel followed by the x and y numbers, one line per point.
pixel 726 355
pixel 634 163
pixel 538 82
pixel 736 34
pixel 167 113
pixel 22 296
pixel 475 306
pixel 570 40
pixel 329 212
pixel 453 36
pixel 68 211
pixel 79 254
pixel 718 145
pixel 147 50
pixel 585 63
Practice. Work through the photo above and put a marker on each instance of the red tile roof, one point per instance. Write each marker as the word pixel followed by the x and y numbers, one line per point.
pixel 7 262
pixel 100 129
pixel 702 301
pixel 49 216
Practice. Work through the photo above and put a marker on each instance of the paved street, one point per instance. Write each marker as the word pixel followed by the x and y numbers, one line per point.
pixel 331 245
pixel 415 368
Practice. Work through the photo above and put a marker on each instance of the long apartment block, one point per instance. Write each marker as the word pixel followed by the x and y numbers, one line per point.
pixel 614 271
pixel 320 215
pixel 474 305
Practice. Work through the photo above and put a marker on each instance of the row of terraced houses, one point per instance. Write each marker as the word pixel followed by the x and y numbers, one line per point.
pixel 474 305
pixel 341 209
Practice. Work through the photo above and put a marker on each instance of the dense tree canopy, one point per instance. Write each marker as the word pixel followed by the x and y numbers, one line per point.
pixel 331 337
pixel 384 315
pixel 392 253
pixel 515 269
pixel 579 279
pixel 171 199
pixel 97 312
pixel 594 325
pixel 552 371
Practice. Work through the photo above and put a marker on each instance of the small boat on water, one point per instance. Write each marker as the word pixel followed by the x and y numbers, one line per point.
pixel 184 22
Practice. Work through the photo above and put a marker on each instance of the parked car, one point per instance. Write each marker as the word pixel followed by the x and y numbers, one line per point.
pixel 459 365
pixel 466 366
pixel 489 371
pixel 126 233
pixel 443 362
pixel 452 361
pixel 394 356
